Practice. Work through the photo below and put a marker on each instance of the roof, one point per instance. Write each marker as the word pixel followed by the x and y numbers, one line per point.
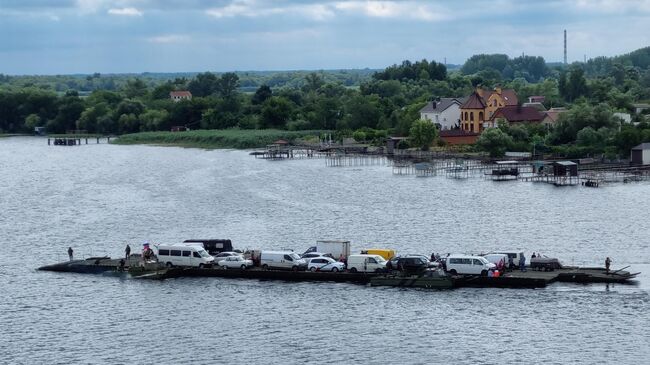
pixel 536 105
pixel 515 113
pixel 182 93
pixel 554 113
pixel 441 105
pixel 642 146
pixel 565 163
pixel 509 96
pixel 475 101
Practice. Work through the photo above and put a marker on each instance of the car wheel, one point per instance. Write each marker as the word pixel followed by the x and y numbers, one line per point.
pixel 243 267
pixel 295 268
pixel 169 264
pixel 334 269
pixel 484 273
pixel 354 269
pixel 265 267
pixel 201 266
pixel 453 272
pixel 313 269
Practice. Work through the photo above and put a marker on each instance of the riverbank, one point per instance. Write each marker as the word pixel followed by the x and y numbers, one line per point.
pixel 214 139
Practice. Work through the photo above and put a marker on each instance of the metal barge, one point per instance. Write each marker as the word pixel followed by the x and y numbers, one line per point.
pixel 513 279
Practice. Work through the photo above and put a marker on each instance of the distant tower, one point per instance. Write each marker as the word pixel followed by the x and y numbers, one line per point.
pixel 565 46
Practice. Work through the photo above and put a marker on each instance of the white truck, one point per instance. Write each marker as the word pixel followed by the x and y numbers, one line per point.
pixel 338 249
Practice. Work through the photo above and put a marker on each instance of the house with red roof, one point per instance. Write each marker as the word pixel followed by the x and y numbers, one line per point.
pixel 516 114
pixel 177 96
pixel 481 106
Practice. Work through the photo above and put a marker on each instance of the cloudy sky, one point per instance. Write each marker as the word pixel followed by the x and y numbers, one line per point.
pixel 115 36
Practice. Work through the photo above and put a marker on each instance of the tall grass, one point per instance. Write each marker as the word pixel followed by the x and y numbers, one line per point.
pixel 221 138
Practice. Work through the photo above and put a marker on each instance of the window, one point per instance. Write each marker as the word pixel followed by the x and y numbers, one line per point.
pixel 465 115
pixel 471 116
pixel 480 115
pixel 478 262
pixel 175 252
pixel 196 254
pixel 288 258
pixel 467 261
pixel 471 127
pixel 163 252
pixel 455 261
pixel 371 260
pixel 187 253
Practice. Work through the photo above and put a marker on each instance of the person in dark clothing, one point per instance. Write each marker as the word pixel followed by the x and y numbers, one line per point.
pixel 522 263
pixel 608 262
pixel 127 251
pixel 433 257
pixel 70 253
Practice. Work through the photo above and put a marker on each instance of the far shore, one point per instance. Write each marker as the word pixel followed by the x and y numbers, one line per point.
pixel 218 139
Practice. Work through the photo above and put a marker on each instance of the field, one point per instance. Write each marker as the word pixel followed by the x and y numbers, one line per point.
pixel 223 138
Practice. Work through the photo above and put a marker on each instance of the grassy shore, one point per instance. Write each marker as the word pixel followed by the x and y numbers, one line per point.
pixel 223 138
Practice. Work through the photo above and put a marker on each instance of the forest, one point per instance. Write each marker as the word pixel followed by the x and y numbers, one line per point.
pixel 367 104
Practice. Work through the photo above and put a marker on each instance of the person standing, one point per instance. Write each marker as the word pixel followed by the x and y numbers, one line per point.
pixel 608 262
pixel 127 251
pixel 70 253
pixel 522 263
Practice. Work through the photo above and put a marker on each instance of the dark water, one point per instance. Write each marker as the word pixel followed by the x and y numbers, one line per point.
pixel 97 198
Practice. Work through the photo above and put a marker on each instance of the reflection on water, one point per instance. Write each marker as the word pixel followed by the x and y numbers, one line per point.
pixel 97 198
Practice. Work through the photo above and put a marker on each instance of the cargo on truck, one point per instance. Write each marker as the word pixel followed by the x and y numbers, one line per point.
pixel 340 250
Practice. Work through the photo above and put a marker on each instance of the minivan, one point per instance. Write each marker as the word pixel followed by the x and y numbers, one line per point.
pixel 514 255
pixel 468 265
pixel 288 260
pixel 366 263
pixel 213 246
pixel 183 255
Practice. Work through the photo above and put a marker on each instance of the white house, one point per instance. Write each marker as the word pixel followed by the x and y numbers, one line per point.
pixel 640 155
pixel 445 112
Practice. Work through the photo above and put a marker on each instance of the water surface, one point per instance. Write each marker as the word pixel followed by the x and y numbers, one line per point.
pixel 96 198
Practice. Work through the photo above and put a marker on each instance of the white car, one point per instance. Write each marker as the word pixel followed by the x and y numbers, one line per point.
pixel 325 264
pixel 235 262
pixel 223 255
pixel 310 255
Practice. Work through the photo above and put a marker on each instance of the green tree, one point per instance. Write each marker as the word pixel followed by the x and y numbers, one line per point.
pixel 494 141
pixel 261 94
pixel 276 111
pixel 227 84
pixel 32 121
pixel 423 133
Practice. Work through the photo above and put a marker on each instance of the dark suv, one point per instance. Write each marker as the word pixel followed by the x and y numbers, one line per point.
pixel 412 263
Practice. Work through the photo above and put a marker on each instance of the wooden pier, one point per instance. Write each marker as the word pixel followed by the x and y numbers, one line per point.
pixel 74 141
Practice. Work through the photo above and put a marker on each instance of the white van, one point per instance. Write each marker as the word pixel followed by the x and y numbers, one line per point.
pixel 282 260
pixel 495 258
pixel 183 255
pixel 366 263
pixel 514 255
pixel 468 265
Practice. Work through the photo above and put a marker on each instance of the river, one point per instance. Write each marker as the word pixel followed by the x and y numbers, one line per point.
pixel 98 198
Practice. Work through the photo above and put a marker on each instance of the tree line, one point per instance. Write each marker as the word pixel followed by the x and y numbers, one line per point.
pixel 387 102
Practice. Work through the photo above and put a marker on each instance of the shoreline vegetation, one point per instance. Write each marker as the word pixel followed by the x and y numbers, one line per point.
pixel 600 108
pixel 218 138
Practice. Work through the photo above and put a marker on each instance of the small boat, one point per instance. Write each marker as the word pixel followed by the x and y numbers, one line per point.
pixel 152 271
pixel 428 279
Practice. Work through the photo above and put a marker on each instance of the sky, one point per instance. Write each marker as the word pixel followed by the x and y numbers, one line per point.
pixel 133 36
